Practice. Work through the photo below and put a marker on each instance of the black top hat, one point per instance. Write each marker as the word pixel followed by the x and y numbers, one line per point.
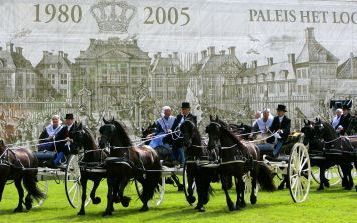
pixel 346 107
pixel 281 108
pixel 185 105
pixel 69 116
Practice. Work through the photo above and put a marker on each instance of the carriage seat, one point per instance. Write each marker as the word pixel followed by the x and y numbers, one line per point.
pixel 266 148
pixel 45 158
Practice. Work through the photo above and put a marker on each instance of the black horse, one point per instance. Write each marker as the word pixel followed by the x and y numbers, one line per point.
pixel 238 158
pixel 151 129
pixel 324 142
pixel 19 165
pixel 352 127
pixel 195 152
pixel 242 130
pixel 127 161
pixel 93 157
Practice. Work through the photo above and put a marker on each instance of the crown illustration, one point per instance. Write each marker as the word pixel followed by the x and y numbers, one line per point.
pixel 113 16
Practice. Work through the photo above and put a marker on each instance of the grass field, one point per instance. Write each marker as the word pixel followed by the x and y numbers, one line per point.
pixel 332 205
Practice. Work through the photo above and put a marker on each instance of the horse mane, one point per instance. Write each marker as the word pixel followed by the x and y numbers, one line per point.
pixel 121 130
pixel 232 135
pixel 90 136
pixel 197 133
pixel 330 129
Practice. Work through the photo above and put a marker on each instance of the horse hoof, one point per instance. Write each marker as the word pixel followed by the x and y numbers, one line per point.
pixel 28 204
pixel 253 200
pixel 96 200
pixel 201 209
pixel 116 199
pixel 107 213
pixel 81 213
pixel 180 187
pixel 231 207
pixel 348 188
pixel 281 187
pixel 326 184
pixel 18 209
pixel 125 201
pixel 144 208
pixel 191 199
pixel 320 188
pixel 241 205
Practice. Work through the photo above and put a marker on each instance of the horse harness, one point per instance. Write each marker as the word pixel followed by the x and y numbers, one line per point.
pixel 5 161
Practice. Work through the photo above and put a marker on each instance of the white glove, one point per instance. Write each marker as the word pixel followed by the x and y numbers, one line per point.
pixel 277 136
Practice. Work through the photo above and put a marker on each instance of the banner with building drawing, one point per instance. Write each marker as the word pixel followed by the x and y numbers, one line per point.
pixel 127 59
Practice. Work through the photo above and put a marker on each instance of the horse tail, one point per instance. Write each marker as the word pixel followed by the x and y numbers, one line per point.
pixel 152 179
pixel 265 177
pixel 30 183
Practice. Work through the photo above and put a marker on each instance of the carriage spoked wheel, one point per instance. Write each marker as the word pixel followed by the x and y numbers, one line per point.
pixel 43 186
pixel 158 195
pixel 299 172
pixel 248 186
pixel 333 174
pixel 73 185
pixel 188 188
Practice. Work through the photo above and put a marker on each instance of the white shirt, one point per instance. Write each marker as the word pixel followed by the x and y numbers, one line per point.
pixel 335 121
pixel 264 125
pixel 166 124
pixel 281 118
pixel 53 131
pixel 69 127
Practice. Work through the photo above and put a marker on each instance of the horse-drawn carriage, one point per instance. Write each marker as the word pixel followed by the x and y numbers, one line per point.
pixel 35 170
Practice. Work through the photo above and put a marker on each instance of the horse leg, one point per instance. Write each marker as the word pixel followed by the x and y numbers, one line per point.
pixel 322 177
pixel 2 186
pixel 95 200
pixel 347 169
pixel 20 191
pixel 109 208
pixel 225 187
pixel 240 186
pixel 203 186
pixel 84 181
pixel 253 197
pixel 124 199
pixel 190 180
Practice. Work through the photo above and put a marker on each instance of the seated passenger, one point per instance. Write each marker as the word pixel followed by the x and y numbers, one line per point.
pixel 164 125
pixel 281 128
pixel 49 138
pixel 263 124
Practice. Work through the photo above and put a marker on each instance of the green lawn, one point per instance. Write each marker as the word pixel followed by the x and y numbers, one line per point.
pixel 332 205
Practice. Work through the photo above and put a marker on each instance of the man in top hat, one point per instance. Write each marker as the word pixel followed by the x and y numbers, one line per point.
pixel 177 147
pixel 69 121
pixel 345 119
pixel 281 128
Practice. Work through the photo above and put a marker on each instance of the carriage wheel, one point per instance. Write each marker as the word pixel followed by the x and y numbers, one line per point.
pixel 73 185
pixel 248 187
pixel 43 186
pixel 333 174
pixel 299 170
pixel 186 186
pixel 158 195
